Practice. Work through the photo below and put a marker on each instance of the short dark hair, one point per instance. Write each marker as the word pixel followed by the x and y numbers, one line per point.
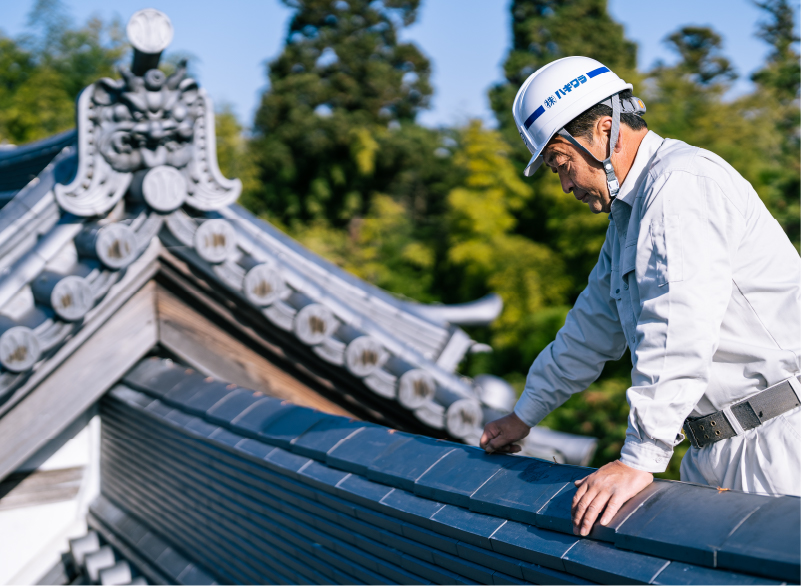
pixel 583 124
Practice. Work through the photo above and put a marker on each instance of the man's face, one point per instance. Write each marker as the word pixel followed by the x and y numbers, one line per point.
pixel 578 173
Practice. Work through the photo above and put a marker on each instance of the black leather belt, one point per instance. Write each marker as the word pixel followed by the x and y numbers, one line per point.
pixel 745 415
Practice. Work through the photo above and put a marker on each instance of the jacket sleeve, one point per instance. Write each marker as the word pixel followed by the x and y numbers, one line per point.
pixel 689 232
pixel 591 336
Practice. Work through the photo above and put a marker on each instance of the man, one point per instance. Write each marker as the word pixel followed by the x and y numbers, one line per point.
pixel 695 277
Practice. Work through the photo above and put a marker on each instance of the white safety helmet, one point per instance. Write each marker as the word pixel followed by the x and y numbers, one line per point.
pixel 557 93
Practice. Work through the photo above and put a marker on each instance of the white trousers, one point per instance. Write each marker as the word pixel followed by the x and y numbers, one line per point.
pixel 764 459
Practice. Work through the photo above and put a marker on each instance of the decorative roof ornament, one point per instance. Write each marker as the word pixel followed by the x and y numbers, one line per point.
pixel 148 131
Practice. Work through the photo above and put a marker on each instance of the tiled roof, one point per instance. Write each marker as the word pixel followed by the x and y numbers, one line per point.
pixel 56 267
pixel 260 490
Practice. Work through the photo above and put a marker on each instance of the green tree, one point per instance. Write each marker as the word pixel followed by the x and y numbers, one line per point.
pixel 336 124
pixel 42 73
pixel 778 96
pixel 489 256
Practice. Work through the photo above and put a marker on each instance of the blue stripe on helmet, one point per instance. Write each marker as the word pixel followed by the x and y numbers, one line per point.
pixel 537 113
pixel 598 71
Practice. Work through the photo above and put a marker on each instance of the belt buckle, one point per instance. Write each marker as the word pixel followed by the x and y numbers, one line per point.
pixel 689 433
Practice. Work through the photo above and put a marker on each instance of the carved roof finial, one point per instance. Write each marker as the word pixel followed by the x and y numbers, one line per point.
pixel 150 32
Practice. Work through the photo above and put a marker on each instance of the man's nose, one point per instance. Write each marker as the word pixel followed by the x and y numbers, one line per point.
pixel 567 184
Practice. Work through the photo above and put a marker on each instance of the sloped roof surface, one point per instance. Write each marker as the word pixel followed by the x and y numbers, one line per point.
pixel 20 165
pixel 262 490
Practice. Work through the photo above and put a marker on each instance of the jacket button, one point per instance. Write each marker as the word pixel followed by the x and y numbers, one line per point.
pixel 617 290
pixel 626 286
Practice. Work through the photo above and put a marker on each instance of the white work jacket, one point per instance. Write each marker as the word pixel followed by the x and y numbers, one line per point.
pixel 699 281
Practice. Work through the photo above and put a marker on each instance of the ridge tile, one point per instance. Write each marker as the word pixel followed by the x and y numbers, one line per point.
pixel 518 492
pixel 454 478
pixel 402 463
pixel 357 453
pixel 282 430
pixel 768 539
pixel 231 405
pixel 687 522
pixel 317 440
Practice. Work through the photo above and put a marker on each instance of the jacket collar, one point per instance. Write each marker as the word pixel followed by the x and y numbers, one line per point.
pixel 639 169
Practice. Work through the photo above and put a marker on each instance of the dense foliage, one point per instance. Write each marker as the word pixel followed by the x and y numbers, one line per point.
pixel 334 156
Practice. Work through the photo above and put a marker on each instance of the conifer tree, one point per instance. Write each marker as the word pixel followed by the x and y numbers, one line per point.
pixel 336 124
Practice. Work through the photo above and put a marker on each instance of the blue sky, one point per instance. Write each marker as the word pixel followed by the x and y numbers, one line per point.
pixel 466 41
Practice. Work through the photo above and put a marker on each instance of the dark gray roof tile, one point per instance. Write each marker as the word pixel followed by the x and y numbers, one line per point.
pixel 357 452
pixel 500 578
pixel 495 561
pixel 316 441
pixel 463 567
pixel 130 396
pixel 429 571
pixel 225 437
pixel 680 573
pixel 532 544
pixel 321 476
pixel 466 525
pixel 542 575
pixel 364 492
pixel 602 562
pixel 172 562
pixel 200 427
pixel 179 418
pixel 402 463
pixel 194 575
pixel 231 405
pixel 686 522
pixel 431 538
pixel 454 478
pixel 280 431
pixel 768 539
pixel 258 415
pixel 405 545
pixel 174 385
pixel 410 508
pixel 197 394
pixel 285 462
pixel 158 408
pixel 155 376
pixel 254 449
pixel 521 490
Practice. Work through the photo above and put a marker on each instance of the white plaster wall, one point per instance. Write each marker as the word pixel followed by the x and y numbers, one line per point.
pixel 33 538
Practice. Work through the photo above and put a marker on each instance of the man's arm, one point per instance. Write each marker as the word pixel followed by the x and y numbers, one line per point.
pixel 591 336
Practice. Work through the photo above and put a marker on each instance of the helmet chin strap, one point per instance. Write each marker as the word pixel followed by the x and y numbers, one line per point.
pixel 611 179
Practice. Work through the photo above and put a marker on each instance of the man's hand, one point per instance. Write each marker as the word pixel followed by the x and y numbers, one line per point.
pixel 607 489
pixel 499 434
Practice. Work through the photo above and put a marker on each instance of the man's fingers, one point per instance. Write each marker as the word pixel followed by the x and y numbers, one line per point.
pixel 580 492
pixel 504 449
pixel 592 511
pixel 490 433
pixel 612 507
pixel 580 504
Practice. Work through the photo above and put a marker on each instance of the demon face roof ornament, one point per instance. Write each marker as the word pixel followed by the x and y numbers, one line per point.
pixel 148 134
